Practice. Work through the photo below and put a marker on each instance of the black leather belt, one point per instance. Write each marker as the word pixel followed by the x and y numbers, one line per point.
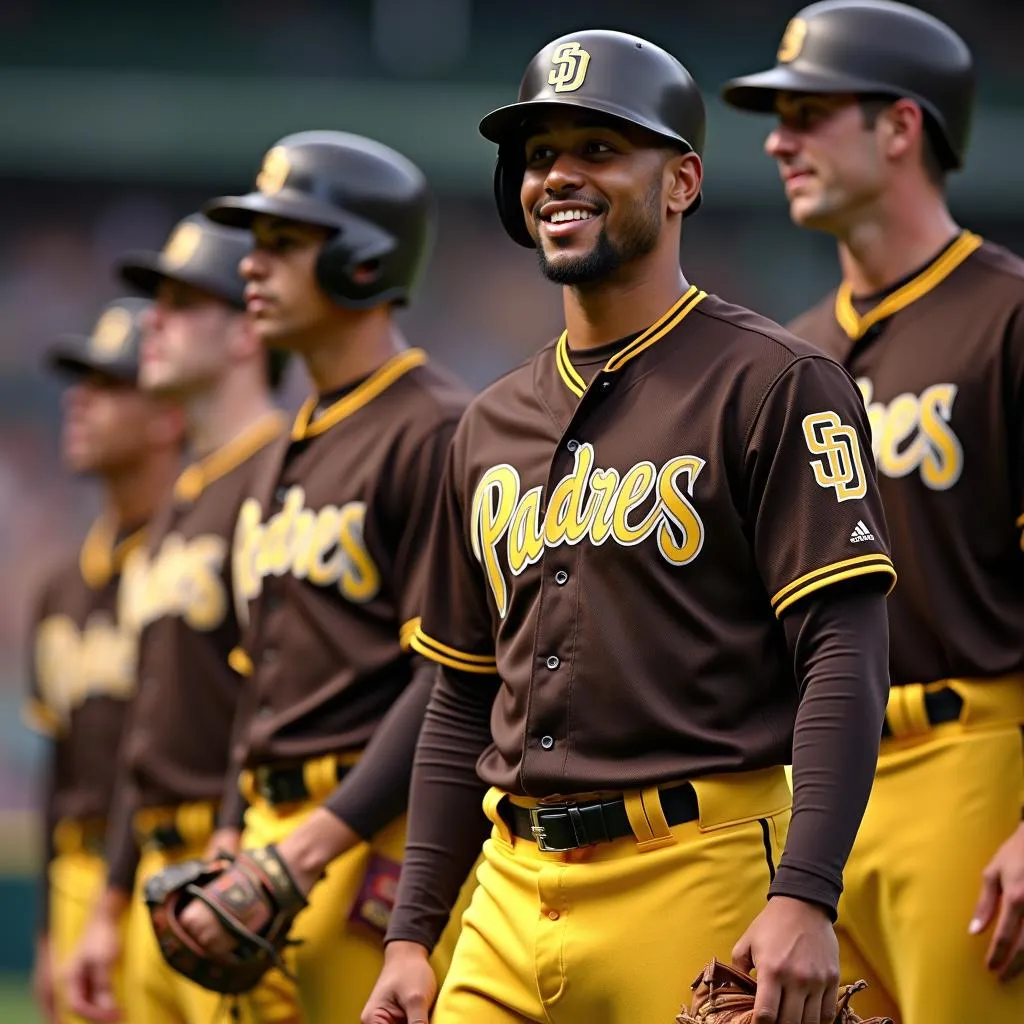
pixel 939 706
pixel 279 785
pixel 556 828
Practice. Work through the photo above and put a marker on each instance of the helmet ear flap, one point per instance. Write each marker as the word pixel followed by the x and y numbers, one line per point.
pixel 508 181
pixel 357 243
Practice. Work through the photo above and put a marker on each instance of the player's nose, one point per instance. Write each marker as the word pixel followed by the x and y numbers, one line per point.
pixel 255 265
pixel 564 175
pixel 781 141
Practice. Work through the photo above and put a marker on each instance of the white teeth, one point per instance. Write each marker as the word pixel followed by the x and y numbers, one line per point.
pixel 561 216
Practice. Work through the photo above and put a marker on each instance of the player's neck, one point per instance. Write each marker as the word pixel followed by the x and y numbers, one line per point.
pixel 238 400
pixel 903 234
pixel 134 493
pixel 352 351
pixel 622 305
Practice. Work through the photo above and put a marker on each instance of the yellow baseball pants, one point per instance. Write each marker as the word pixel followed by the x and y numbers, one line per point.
pixel 77 878
pixel 615 932
pixel 944 800
pixel 157 994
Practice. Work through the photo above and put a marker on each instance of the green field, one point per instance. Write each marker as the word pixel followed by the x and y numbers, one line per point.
pixel 15 1003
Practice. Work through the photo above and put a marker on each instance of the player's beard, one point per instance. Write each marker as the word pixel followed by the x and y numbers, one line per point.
pixel 639 236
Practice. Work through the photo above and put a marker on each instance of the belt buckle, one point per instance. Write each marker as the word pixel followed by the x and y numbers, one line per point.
pixel 540 833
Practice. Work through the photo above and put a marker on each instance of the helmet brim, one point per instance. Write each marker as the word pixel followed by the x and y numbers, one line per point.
pixel 507 124
pixel 145 271
pixel 241 211
pixel 757 92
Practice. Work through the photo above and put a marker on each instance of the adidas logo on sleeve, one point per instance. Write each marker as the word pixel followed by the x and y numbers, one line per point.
pixel 861 533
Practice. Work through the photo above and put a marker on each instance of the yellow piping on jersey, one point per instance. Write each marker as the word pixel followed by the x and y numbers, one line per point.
pixel 662 326
pixel 452 658
pixel 40 718
pixel 406 632
pixel 379 382
pixel 100 558
pixel 829 574
pixel 196 478
pixel 856 325
pixel 239 660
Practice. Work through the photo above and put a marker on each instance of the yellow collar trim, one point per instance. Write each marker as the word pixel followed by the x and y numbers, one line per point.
pixel 196 478
pixel 662 326
pixel 856 326
pixel 100 558
pixel 381 380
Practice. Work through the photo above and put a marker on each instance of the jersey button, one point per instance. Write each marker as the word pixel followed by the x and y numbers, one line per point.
pixel 553 662
pixel 280 493
pixel 606 385
pixel 561 577
pixel 265 711
pixel 269 656
pixel 547 742
pixel 572 445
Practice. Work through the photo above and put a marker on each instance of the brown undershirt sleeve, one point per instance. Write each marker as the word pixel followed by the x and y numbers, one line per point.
pixel 376 791
pixel 839 640
pixel 48 822
pixel 122 852
pixel 447 826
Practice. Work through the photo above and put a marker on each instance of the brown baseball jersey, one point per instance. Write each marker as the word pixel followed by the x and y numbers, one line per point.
pixel 618 535
pixel 328 561
pixel 177 593
pixel 939 360
pixel 83 673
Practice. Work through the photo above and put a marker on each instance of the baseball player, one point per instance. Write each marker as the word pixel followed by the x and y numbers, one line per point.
pixel 82 655
pixel 328 550
pixel 873 103
pixel 200 349
pixel 641 578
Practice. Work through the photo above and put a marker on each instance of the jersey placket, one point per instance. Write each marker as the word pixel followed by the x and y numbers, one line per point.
pixel 547 748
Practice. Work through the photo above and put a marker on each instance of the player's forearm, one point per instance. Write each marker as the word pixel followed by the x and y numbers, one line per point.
pixel 122 852
pixel 840 647
pixel 446 824
pixel 376 791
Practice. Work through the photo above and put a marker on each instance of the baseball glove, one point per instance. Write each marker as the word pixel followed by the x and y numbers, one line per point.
pixel 724 995
pixel 254 898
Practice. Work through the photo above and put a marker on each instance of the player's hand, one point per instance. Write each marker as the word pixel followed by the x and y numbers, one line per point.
pixel 224 840
pixel 1002 901
pixel 406 988
pixel 43 981
pixel 88 978
pixel 202 924
pixel 793 947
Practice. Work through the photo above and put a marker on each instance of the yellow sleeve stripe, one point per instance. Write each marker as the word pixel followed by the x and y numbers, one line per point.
pixel 240 661
pixel 38 717
pixel 834 573
pixel 405 633
pixel 449 656
pixel 1019 521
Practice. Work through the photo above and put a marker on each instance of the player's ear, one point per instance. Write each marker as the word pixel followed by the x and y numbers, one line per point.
pixel 684 173
pixel 900 128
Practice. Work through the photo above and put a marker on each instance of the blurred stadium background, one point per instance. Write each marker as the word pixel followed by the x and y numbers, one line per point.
pixel 117 118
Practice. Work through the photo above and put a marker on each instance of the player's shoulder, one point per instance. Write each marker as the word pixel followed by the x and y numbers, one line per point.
pixel 755 341
pixel 816 322
pixel 999 268
pixel 432 394
pixel 55 577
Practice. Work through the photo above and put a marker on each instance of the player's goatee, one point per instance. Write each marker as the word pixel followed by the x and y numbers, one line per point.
pixel 639 237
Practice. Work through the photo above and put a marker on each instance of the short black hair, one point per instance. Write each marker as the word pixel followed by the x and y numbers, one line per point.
pixel 872 106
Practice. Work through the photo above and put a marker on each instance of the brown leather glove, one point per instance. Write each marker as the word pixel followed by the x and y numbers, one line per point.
pixel 254 898
pixel 724 995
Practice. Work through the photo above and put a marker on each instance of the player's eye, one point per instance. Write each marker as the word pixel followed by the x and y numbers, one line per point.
pixel 598 147
pixel 538 155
